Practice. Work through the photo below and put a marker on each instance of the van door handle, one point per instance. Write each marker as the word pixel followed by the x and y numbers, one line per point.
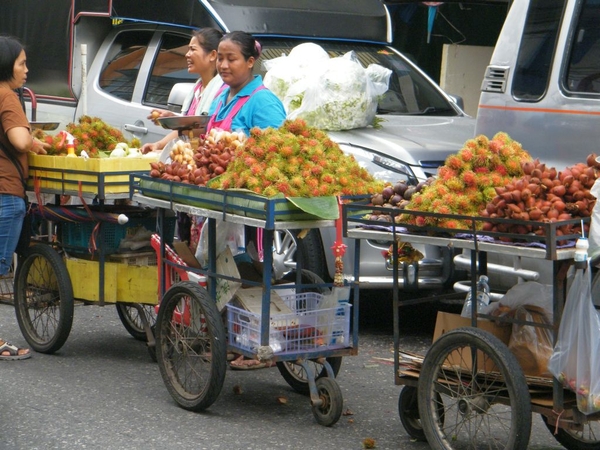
pixel 138 127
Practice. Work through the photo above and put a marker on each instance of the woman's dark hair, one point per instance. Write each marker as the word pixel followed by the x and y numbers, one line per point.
pixel 248 45
pixel 208 38
pixel 10 49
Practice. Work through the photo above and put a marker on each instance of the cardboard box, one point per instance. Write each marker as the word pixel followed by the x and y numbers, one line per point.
pixel 447 321
pixel 186 254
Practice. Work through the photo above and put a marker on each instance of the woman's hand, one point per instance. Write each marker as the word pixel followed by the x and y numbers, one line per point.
pixel 38 147
pixel 150 147
pixel 158 113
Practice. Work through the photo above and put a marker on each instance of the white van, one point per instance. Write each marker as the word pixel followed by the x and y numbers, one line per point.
pixel 542 85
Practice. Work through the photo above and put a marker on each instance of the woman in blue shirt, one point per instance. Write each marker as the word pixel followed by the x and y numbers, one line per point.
pixel 246 103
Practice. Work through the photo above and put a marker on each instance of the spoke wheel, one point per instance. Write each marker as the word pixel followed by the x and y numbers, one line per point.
pixel 330 410
pixel 588 438
pixel 482 409
pixel 131 320
pixel 43 298
pixel 191 347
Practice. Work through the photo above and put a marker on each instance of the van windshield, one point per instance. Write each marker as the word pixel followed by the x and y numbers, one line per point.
pixel 410 92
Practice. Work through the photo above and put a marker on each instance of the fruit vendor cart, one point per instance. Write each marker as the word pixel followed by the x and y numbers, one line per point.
pixel 302 327
pixel 469 390
pixel 74 256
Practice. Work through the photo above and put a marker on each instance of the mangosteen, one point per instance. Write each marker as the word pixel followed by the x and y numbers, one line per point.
pixel 400 187
pixel 409 192
pixel 387 192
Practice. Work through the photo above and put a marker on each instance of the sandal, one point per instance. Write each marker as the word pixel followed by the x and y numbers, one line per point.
pixel 13 352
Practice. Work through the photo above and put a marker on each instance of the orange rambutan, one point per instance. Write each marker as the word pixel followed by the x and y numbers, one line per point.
pixel 445 173
pixel 469 178
pixel 466 154
pixel 327 178
pixel 454 162
pixel 272 173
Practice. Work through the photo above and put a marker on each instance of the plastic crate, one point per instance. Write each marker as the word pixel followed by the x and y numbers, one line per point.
pixel 307 328
pixel 77 234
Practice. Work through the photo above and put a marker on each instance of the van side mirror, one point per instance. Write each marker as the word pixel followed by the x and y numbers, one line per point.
pixel 178 93
pixel 458 100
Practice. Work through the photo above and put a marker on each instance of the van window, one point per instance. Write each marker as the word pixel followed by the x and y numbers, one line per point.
pixel 169 67
pixel 534 60
pixel 583 72
pixel 123 63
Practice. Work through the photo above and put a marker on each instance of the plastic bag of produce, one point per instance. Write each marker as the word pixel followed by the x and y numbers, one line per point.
pixel 575 361
pixel 532 345
pixel 330 94
pixel 285 71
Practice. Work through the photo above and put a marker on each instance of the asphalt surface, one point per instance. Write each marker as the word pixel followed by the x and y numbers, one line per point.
pixel 102 391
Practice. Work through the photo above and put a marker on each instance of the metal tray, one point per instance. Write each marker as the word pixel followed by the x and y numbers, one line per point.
pixel 184 122
pixel 46 126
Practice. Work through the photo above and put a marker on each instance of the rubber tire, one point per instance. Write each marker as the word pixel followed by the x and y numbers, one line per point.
pixel 212 331
pixel 439 433
pixel 331 409
pixel 408 410
pixel 313 254
pixel 48 329
pixel 572 442
pixel 293 373
pixel 135 329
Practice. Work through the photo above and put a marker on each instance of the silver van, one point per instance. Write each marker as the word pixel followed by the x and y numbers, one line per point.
pixel 542 85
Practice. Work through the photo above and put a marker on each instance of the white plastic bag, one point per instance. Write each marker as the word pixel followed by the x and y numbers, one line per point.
pixel 575 361
pixel 228 235
pixel 532 345
pixel 594 237
pixel 329 94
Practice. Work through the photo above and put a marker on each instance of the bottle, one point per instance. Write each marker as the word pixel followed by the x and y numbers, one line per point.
pixel 581 249
pixel 483 297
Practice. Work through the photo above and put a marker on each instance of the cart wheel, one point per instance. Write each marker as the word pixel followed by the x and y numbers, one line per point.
pixel 295 375
pixel 43 298
pixel 330 410
pixel 588 438
pixel 491 406
pixel 408 410
pixel 131 320
pixel 191 347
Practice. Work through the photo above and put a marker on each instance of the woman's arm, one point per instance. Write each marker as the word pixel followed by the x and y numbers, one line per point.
pixel 22 140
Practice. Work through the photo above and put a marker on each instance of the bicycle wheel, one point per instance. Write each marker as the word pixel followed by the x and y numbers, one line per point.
pixel 131 320
pixel 485 407
pixel 43 298
pixel 332 401
pixel 587 438
pixel 191 347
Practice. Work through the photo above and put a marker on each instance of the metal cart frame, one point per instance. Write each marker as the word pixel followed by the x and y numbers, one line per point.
pixel 240 208
pixel 560 415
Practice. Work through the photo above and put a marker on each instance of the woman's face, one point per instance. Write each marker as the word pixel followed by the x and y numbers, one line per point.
pixel 19 71
pixel 234 69
pixel 198 60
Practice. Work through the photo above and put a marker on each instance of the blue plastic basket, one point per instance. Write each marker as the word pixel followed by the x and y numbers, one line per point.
pixel 76 235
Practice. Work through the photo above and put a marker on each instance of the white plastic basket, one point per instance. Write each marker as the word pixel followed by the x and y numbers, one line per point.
pixel 307 328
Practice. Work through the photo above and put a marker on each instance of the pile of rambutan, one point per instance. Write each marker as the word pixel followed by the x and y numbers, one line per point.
pixel 297 161
pixel 467 181
pixel 91 134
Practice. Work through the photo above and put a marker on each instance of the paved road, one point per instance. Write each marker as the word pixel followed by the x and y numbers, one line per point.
pixel 102 391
